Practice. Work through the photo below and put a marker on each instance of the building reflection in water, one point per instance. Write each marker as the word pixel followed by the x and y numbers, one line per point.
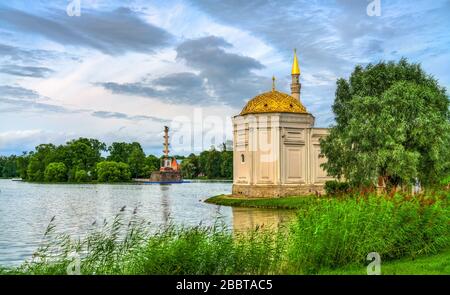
pixel 165 203
pixel 245 219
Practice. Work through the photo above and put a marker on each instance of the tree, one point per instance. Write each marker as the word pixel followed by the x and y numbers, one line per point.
pixel 34 169
pixel 110 171
pixel 213 164
pixel 8 166
pixel 39 160
pixel 194 159
pixel 55 172
pixel 22 165
pixel 81 176
pixel 119 152
pixel 136 161
pixel 84 153
pixel 202 162
pixel 392 123
pixel 226 168
pixel 130 153
pixel 188 168
pixel 152 163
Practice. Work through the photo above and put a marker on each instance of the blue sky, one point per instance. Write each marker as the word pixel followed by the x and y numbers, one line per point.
pixel 123 69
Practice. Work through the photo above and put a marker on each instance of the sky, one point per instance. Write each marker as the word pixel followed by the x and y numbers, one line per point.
pixel 121 70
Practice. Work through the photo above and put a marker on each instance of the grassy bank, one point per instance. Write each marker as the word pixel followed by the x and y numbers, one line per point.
pixel 275 203
pixel 328 236
pixel 438 264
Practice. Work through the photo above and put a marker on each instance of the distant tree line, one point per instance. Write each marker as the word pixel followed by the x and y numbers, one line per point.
pixel 212 164
pixel 81 160
pixel 8 166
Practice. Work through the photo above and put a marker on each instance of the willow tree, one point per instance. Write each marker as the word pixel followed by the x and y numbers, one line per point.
pixel 392 124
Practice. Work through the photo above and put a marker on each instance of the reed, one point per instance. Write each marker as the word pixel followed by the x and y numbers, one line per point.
pixel 327 234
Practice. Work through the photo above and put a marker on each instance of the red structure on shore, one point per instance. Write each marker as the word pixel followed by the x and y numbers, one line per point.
pixel 170 170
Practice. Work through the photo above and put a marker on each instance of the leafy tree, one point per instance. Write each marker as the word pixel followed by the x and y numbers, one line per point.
pixel 446 181
pixel 39 160
pixel 152 163
pixel 195 161
pixel 8 166
pixel 34 169
pixel 136 161
pixel 213 164
pixel 81 176
pixel 132 154
pixel 188 168
pixel 392 123
pixel 202 162
pixel 226 168
pixel 22 165
pixel 110 171
pixel 119 152
pixel 55 172
pixel 84 153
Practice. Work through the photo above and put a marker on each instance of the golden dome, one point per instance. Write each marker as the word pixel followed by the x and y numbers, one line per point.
pixel 273 102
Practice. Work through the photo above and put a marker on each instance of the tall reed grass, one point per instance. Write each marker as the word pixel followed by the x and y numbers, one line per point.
pixel 335 232
pixel 326 234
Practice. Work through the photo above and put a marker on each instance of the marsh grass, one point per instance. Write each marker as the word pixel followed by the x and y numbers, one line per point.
pixel 334 233
pixel 274 203
pixel 326 234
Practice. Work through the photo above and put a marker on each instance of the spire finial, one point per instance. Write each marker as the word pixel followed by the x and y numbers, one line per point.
pixel 295 67
pixel 273 83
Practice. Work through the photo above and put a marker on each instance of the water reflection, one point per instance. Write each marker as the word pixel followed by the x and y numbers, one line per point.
pixel 27 208
pixel 245 219
pixel 165 204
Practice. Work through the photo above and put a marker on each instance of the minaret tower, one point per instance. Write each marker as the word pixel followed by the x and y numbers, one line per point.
pixel 166 146
pixel 295 85
pixel 169 171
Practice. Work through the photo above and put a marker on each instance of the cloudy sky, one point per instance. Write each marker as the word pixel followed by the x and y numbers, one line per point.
pixel 123 69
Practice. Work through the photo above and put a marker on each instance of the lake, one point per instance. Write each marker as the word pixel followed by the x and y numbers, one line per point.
pixel 27 208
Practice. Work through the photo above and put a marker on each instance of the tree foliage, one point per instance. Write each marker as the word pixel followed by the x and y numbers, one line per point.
pixel 152 163
pixel 81 176
pixel 392 121
pixel 110 171
pixel 81 156
pixel 188 168
pixel 8 166
pixel 133 155
pixel 212 164
pixel 55 172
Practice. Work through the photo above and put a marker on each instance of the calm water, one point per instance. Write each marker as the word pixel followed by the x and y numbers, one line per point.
pixel 26 210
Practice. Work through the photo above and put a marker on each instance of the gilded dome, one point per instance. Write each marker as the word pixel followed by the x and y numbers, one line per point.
pixel 273 102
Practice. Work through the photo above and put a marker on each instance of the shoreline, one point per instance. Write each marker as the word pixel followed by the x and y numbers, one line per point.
pixel 126 182
pixel 289 203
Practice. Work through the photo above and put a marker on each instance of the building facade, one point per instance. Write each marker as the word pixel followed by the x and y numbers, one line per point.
pixel 276 147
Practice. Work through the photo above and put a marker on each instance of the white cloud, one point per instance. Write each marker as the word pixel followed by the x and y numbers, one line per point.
pixel 26 140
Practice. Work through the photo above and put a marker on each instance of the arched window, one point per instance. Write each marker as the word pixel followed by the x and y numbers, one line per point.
pixel 242 158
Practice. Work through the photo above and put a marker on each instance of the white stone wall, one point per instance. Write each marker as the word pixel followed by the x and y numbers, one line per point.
pixel 277 149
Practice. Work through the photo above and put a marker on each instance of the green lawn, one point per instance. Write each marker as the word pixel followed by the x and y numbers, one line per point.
pixel 428 265
pixel 275 203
